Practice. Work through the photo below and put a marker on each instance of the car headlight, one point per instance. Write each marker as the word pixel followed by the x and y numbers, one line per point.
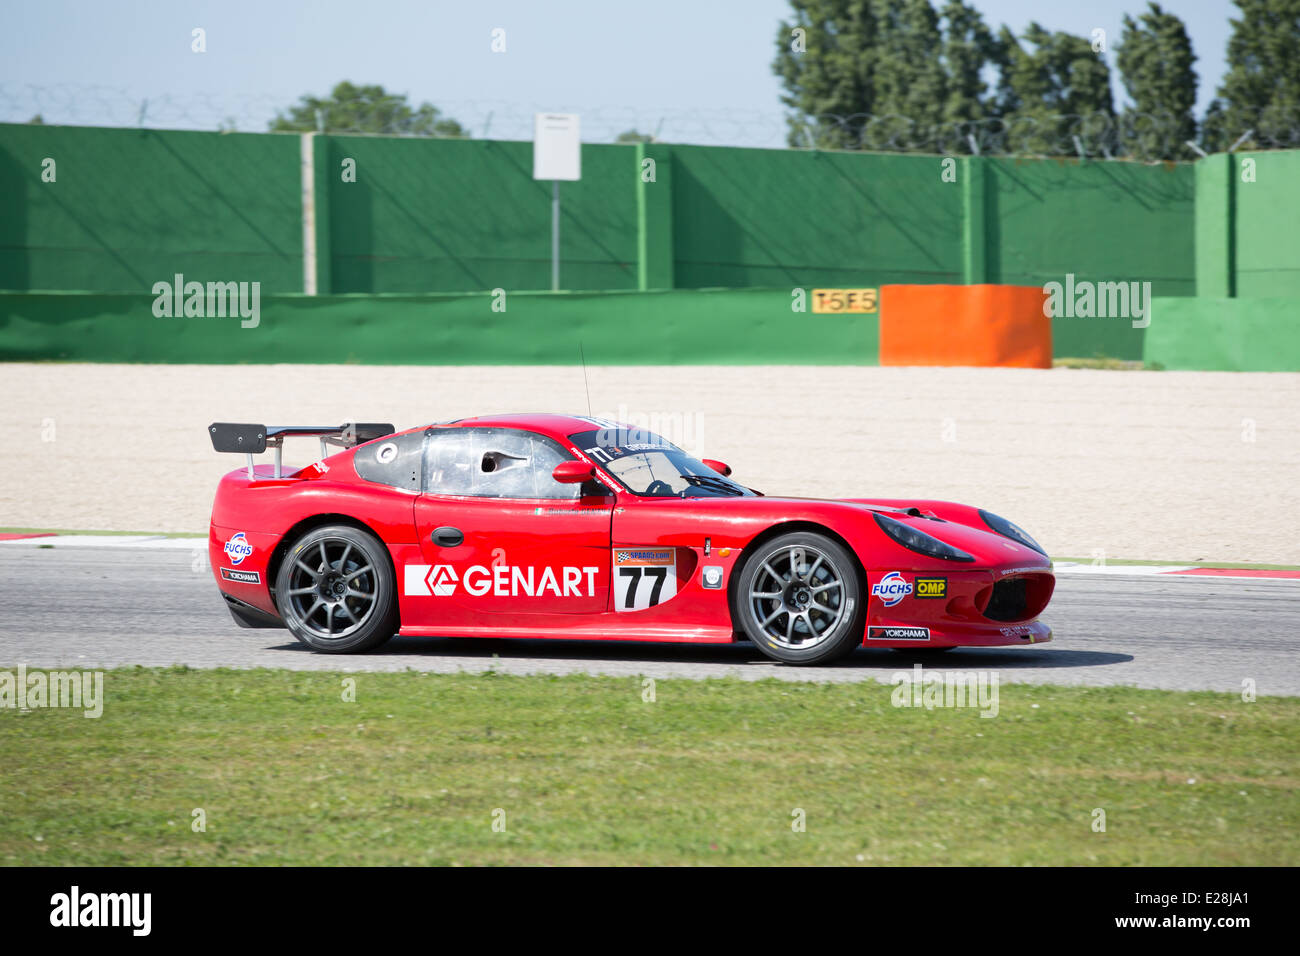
pixel 919 541
pixel 1011 530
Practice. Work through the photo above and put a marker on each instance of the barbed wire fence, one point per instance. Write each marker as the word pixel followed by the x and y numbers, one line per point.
pixel 1129 135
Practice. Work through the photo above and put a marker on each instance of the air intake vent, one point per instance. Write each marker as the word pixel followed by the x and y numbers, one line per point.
pixel 1021 597
pixel 1008 601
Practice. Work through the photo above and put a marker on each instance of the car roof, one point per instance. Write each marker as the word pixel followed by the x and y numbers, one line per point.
pixel 553 426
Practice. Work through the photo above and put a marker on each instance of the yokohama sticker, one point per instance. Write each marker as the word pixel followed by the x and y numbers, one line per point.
pixel 898 633
pixel 240 577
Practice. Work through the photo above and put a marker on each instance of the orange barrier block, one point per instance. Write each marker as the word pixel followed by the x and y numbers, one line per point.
pixel 964 325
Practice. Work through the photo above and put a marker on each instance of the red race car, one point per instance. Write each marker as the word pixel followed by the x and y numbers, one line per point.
pixel 555 526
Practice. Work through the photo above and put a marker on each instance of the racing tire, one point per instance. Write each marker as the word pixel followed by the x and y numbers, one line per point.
pixel 335 590
pixel 799 599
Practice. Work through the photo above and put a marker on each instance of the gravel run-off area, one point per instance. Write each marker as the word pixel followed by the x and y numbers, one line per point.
pixel 1177 466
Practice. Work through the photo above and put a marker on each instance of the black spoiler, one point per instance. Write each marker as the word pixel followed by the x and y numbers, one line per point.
pixel 249 439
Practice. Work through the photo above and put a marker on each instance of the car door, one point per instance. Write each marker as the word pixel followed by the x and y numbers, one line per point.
pixel 500 537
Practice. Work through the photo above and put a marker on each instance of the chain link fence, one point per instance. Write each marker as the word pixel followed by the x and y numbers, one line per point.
pixel 1130 135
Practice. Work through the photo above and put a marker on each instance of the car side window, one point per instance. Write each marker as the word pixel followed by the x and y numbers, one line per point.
pixel 494 463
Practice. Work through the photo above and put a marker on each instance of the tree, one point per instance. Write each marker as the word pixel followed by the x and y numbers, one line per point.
pixel 632 136
pixel 908 78
pixel 365 109
pixel 1155 62
pixel 1261 90
pixel 1057 89
pixel 968 47
pixel 824 59
pixel 896 74
pixel 884 73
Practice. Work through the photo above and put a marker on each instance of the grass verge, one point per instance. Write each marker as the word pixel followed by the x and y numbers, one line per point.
pixel 164 534
pixel 1126 562
pixel 1108 363
pixel 587 771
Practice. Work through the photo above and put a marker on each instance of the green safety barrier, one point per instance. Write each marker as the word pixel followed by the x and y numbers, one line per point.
pixel 682 327
pixel 1231 335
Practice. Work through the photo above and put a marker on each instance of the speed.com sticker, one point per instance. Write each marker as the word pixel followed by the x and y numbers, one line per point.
pixel 643 577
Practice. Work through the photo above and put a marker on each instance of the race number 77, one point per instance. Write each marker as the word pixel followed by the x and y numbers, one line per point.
pixel 634 574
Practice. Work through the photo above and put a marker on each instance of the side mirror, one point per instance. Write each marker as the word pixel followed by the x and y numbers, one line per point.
pixel 573 472
pixel 721 467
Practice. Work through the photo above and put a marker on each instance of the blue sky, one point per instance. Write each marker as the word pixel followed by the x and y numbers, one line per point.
pixel 698 71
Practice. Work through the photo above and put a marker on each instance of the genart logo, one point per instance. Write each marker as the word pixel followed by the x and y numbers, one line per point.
pixel 441 580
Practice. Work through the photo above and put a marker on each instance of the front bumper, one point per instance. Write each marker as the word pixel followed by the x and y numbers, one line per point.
pixel 1003 635
pixel 958 608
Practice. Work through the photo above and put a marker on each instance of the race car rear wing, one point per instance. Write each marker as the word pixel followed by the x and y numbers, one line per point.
pixel 251 440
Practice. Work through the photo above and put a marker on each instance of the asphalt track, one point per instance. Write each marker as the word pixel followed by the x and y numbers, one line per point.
pixel 111 607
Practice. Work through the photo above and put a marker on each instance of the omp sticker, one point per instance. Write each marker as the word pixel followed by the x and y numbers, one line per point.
pixel 931 587
pixel 643 577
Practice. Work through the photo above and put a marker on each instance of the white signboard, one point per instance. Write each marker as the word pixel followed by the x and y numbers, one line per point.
pixel 557 152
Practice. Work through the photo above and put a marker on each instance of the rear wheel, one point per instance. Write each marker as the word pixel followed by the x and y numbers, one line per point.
pixel 798 599
pixel 335 590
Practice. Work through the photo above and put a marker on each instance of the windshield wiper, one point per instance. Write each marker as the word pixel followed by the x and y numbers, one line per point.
pixel 714 483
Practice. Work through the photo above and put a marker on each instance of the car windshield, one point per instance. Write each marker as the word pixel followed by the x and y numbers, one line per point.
pixel 646 464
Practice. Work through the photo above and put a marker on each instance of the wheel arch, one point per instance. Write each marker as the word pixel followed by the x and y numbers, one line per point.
pixel 319 521
pixel 775 531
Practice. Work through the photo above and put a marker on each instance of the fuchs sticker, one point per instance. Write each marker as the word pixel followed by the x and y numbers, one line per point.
pixel 643 577
pixel 931 587
pixel 238 548
pixel 711 576
pixel 502 580
pixel 898 633
pixel 891 589
pixel 241 577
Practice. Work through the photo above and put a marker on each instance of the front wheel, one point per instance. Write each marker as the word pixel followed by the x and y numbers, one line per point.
pixel 335 590
pixel 799 599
